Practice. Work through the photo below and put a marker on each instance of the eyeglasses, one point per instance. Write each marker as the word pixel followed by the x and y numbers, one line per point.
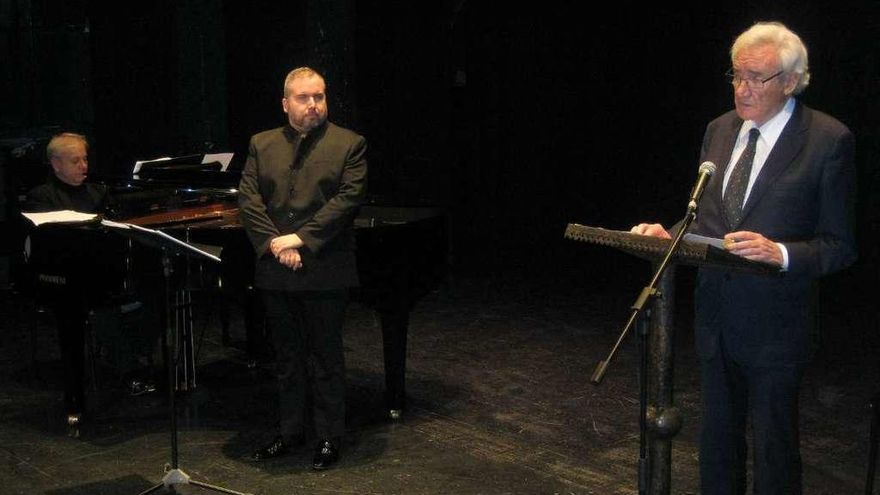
pixel 303 99
pixel 753 83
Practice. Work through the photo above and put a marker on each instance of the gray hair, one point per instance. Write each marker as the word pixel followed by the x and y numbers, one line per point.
pixel 791 50
pixel 63 140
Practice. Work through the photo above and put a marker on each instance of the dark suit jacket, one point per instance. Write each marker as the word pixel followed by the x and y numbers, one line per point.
pixel 311 187
pixel 802 198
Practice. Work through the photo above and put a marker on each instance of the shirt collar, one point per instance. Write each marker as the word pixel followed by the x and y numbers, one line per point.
pixel 292 133
pixel 771 129
pixel 64 185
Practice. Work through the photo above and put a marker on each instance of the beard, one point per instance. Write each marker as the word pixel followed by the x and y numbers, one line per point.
pixel 312 120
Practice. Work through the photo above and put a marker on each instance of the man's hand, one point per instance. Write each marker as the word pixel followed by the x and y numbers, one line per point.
pixel 290 258
pixel 282 242
pixel 651 229
pixel 753 246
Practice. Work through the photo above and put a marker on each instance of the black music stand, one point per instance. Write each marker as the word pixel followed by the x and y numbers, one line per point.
pixel 169 246
pixel 663 419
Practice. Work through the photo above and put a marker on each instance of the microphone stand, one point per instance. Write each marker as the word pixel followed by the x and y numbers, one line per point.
pixel 642 315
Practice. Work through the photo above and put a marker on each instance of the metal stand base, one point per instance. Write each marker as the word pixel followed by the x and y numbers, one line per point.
pixel 173 475
pixel 179 477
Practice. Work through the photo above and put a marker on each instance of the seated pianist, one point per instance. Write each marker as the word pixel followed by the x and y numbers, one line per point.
pixel 66 189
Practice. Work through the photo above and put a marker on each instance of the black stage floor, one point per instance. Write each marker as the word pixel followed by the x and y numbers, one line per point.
pixel 499 402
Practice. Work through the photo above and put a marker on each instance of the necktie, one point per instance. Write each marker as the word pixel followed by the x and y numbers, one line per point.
pixel 738 182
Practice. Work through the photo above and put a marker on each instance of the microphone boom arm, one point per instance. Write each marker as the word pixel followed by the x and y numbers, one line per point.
pixel 647 294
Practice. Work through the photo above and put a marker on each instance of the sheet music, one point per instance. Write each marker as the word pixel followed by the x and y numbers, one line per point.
pixel 60 216
pixel 117 225
pixel 223 158
pixel 139 163
pixel 712 241
pixel 202 250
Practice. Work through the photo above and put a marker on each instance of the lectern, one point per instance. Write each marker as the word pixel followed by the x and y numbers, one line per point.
pixel 658 413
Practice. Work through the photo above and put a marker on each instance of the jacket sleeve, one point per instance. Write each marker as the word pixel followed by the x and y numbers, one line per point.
pixel 336 215
pixel 252 207
pixel 832 246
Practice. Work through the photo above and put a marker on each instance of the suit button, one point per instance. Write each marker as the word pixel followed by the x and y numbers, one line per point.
pixel 727 277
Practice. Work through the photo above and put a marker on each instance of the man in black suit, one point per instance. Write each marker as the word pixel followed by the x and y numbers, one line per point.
pixel 300 190
pixel 783 194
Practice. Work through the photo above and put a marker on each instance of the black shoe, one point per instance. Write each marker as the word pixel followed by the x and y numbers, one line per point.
pixel 279 446
pixel 326 454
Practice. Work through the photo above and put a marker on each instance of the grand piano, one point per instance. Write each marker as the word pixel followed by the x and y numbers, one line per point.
pixel 402 252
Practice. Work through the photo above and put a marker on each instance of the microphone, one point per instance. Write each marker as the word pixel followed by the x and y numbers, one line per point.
pixel 706 170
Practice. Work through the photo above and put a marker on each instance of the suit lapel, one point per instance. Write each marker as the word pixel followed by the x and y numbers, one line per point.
pixel 787 147
pixel 721 157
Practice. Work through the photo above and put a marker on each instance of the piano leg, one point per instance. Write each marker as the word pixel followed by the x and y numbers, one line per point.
pixel 395 324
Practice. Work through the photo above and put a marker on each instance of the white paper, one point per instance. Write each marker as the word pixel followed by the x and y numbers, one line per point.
pixel 203 250
pixel 117 225
pixel 137 164
pixel 223 158
pixel 712 241
pixel 60 216
pixel 174 240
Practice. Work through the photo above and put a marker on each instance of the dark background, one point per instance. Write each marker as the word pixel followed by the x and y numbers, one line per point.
pixel 519 119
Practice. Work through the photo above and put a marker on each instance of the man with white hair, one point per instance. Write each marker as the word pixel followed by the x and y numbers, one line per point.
pixel 66 189
pixel 783 194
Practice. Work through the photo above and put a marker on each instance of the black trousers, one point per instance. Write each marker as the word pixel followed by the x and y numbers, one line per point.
pixel 70 319
pixel 306 332
pixel 732 394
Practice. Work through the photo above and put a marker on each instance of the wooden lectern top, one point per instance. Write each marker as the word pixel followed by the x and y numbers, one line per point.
pixel 654 248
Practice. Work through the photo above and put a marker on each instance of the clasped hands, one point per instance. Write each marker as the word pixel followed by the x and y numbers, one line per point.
pixel 749 245
pixel 286 249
